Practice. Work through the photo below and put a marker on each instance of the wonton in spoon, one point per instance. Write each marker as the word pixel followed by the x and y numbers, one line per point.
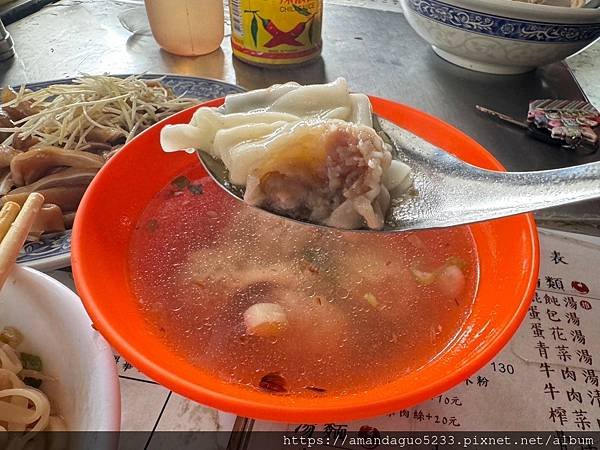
pixel 305 152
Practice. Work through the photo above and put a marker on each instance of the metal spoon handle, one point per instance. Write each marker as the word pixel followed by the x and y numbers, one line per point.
pixel 454 193
pixel 508 193
pixel 477 195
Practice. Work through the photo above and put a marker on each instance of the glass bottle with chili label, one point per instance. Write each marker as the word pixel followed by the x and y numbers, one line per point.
pixel 276 33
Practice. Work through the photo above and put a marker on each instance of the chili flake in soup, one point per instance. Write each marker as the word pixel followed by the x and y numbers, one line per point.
pixel 289 308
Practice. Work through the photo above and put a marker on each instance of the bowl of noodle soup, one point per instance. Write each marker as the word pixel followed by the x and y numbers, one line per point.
pixel 79 388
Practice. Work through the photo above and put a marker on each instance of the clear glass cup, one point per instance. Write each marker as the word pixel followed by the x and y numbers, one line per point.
pixel 135 20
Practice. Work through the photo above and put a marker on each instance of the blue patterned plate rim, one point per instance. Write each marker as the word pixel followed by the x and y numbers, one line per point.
pixel 54 251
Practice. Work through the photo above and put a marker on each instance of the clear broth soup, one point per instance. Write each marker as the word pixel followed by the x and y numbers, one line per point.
pixel 360 309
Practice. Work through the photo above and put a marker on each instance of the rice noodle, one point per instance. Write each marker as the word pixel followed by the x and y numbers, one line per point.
pixel 22 408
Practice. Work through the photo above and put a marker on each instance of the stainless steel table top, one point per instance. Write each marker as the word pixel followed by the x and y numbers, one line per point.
pixel 376 51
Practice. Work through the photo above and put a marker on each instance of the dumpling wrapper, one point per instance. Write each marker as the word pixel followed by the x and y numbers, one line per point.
pixel 332 100
pixel 289 102
pixel 308 152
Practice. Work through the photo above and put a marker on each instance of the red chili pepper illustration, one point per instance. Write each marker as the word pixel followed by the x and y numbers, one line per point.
pixel 286 37
pixel 270 27
pixel 278 37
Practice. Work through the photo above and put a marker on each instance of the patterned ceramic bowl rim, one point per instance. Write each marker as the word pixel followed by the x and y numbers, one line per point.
pixel 528 11
pixel 451 13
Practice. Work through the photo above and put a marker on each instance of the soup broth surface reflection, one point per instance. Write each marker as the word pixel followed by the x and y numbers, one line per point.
pixel 353 310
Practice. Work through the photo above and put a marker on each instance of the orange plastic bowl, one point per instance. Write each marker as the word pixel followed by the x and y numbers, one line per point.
pixel 508 254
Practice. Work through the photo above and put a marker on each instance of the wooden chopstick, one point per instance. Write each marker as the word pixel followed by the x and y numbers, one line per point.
pixel 17 233
pixel 8 213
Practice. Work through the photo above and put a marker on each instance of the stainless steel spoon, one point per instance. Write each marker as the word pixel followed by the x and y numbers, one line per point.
pixel 449 192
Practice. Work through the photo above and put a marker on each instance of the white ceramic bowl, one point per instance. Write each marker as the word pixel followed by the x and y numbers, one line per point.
pixel 501 36
pixel 57 328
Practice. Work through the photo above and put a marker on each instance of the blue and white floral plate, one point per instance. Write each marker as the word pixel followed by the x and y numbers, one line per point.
pixel 54 251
